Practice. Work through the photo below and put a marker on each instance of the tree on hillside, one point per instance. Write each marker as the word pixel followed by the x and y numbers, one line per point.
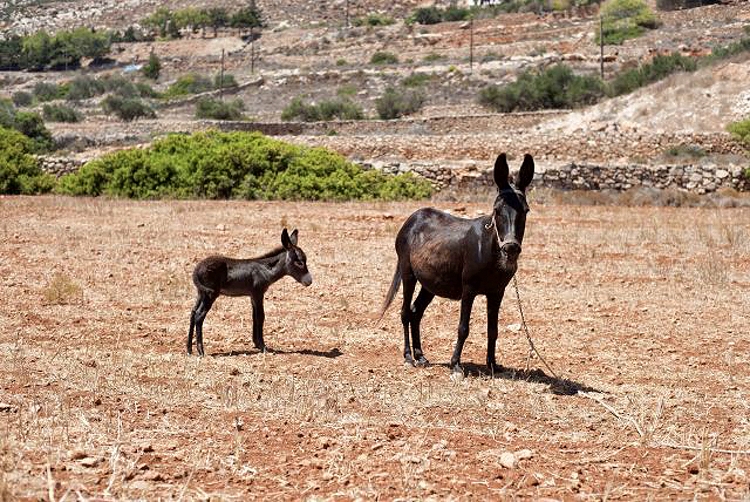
pixel 248 17
pixel 217 18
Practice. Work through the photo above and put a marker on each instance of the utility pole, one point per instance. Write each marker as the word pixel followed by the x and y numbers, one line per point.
pixel 471 44
pixel 252 51
pixel 221 77
pixel 601 46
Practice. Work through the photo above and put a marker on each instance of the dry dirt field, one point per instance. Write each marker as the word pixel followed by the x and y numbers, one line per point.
pixel 642 312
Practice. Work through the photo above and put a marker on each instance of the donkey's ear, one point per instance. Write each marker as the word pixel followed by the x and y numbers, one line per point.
pixel 293 237
pixel 526 173
pixel 501 171
pixel 285 240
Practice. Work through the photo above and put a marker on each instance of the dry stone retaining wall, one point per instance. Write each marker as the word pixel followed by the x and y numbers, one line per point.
pixel 699 179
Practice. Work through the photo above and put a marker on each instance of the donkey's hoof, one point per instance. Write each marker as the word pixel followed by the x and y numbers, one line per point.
pixel 421 362
pixel 495 369
pixel 457 373
pixel 408 362
pixel 263 349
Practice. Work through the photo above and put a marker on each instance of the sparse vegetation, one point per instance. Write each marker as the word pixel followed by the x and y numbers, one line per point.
pixel 22 98
pixel 383 58
pixel 211 108
pixel 373 20
pixel 556 87
pixel 341 108
pixel 29 124
pixel 236 165
pixel 127 109
pixel 191 83
pixel 625 19
pixel 61 113
pixel 62 290
pixel 152 68
pixel 398 102
pixel 416 80
pixel 659 68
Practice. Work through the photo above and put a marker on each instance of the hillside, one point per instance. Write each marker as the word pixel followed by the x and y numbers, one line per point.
pixel 307 51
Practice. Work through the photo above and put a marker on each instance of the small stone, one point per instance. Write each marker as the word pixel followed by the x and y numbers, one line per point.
pixel 508 460
pixel 524 454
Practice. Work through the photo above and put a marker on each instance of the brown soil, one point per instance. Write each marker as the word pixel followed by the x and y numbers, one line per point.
pixel 642 310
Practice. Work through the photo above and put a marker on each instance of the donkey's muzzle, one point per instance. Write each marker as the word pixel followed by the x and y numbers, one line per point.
pixel 306 279
pixel 511 250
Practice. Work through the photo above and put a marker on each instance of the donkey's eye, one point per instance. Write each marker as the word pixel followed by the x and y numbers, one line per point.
pixel 299 264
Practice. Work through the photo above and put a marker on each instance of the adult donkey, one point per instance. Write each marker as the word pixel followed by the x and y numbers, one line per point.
pixel 461 258
pixel 219 275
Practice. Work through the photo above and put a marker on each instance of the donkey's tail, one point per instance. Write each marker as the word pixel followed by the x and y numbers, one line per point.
pixel 395 283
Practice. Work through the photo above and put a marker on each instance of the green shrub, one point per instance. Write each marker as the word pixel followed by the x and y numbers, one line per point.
pixel 225 81
pixel 85 87
pixel 625 19
pixel 22 98
pixel 211 108
pixel 235 165
pixel 659 68
pixel 427 15
pixel 553 88
pixel 453 13
pixel 433 58
pixel 60 113
pixel 373 20
pixel 382 57
pixel 47 91
pixel 741 131
pixel 395 103
pixel 416 80
pixel 341 108
pixel 127 109
pixel 152 68
pixel 19 170
pixel 191 83
pixel 31 125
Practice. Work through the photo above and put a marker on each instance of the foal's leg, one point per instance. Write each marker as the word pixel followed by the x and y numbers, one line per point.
pixel 467 300
pixel 493 310
pixel 200 316
pixel 417 311
pixel 410 282
pixel 259 316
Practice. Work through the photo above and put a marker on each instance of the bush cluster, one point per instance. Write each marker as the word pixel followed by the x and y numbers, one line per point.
pixel 660 67
pixel 382 57
pixel 625 19
pixel 373 20
pixel 168 24
pixel 555 87
pixel 211 108
pixel 243 165
pixel 398 102
pixel 61 113
pixel 127 108
pixel 19 170
pixel 42 51
pixel 30 124
pixel 741 131
pixel 340 108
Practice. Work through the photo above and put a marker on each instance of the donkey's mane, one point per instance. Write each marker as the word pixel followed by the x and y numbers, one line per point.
pixel 271 254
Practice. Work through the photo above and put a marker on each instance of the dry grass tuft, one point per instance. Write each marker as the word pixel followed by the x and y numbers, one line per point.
pixel 62 290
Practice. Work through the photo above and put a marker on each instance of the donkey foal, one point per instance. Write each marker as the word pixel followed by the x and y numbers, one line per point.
pixel 219 275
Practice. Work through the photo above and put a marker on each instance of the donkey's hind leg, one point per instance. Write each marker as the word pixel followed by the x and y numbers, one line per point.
pixel 417 311
pixel 193 312
pixel 207 301
pixel 410 282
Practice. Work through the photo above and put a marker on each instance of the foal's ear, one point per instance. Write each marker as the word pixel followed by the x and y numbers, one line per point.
pixel 501 171
pixel 285 239
pixel 526 173
pixel 293 237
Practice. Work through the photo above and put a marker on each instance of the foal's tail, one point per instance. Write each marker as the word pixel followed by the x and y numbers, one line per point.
pixel 395 283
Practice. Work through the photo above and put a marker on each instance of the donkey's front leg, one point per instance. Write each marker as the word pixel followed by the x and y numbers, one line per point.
pixel 259 317
pixel 467 300
pixel 493 311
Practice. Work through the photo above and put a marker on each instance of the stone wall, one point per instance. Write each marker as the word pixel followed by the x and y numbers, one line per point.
pixel 699 179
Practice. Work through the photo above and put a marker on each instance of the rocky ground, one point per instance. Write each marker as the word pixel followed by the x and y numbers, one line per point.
pixel 639 312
